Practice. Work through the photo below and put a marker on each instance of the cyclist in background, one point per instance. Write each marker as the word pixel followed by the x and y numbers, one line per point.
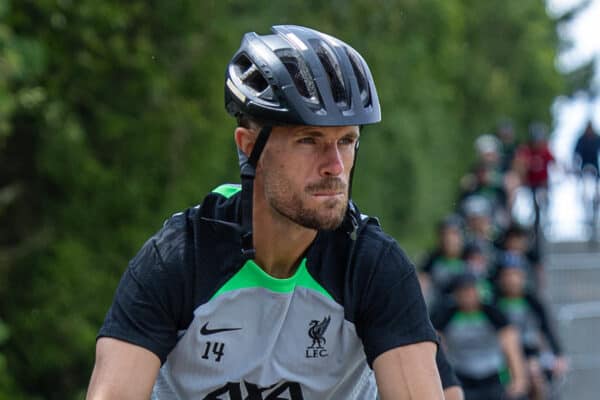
pixel 505 131
pixel 587 149
pixel 586 165
pixel 527 313
pixel 532 161
pixel 445 261
pixel 478 340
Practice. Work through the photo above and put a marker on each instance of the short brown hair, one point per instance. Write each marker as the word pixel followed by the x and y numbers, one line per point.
pixel 248 122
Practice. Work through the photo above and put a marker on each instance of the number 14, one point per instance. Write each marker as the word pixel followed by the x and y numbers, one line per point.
pixel 217 350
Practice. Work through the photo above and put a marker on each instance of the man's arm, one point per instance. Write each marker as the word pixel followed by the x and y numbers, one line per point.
pixel 408 373
pixel 123 371
pixel 511 346
pixel 454 393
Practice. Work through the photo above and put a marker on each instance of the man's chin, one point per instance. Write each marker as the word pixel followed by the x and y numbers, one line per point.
pixel 329 220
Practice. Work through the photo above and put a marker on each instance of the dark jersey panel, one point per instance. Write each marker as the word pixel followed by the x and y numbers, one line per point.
pixel 392 311
pixel 148 306
pixel 177 269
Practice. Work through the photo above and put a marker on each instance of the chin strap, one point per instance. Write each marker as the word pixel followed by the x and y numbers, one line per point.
pixel 248 172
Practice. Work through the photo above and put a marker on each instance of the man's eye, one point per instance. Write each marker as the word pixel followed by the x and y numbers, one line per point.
pixel 347 141
pixel 307 140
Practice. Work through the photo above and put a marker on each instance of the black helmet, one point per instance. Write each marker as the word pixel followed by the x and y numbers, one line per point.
pixel 300 76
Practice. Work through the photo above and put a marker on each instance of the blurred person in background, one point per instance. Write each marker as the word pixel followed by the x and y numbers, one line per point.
pixel 445 261
pixel 486 176
pixel 516 240
pixel 480 344
pixel 532 162
pixel 505 132
pixel 280 286
pixel 585 160
pixel 587 150
pixel 526 311
pixel 481 267
pixel 479 225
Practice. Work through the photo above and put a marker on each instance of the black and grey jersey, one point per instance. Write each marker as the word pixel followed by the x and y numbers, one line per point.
pixel 529 316
pixel 223 328
pixel 471 338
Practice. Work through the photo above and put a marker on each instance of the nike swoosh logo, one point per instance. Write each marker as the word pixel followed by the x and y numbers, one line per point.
pixel 206 331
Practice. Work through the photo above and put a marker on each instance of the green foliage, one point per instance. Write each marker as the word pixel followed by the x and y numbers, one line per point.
pixel 111 119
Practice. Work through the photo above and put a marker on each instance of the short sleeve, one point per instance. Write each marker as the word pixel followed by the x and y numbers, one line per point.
pixel 447 374
pixel 427 264
pixel 394 312
pixel 496 317
pixel 442 316
pixel 147 303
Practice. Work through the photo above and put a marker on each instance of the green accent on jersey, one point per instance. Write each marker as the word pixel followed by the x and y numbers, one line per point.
pixel 485 290
pixel 471 317
pixel 504 376
pixel 227 190
pixel 517 303
pixel 453 264
pixel 252 276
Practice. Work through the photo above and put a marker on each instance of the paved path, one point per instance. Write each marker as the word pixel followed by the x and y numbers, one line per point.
pixel 573 291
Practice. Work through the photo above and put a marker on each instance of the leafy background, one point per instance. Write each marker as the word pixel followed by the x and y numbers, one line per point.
pixel 112 118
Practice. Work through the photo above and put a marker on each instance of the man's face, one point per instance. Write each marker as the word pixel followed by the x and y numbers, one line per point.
pixel 516 242
pixel 452 241
pixel 305 172
pixel 467 297
pixel 512 281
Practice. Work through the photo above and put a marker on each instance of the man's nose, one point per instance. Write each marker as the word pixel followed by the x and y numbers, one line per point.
pixel 331 161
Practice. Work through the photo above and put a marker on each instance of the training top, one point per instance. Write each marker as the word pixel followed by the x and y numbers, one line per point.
pixel 223 328
pixel 472 342
pixel 528 315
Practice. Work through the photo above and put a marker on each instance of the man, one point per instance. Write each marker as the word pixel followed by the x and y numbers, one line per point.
pixel 526 311
pixel 445 261
pixel 532 162
pixel 478 340
pixel 282 290
pixel 585 160
pixel 587 149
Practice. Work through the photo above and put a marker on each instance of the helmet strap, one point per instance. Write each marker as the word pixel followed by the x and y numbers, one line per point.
pixel 352 171
pixel 248 173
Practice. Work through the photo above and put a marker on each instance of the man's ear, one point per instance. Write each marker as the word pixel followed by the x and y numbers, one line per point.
pixel 245 139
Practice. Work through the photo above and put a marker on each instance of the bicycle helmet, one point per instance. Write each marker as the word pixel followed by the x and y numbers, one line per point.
pixel 295 76
pixel 300 76
pixel 487 143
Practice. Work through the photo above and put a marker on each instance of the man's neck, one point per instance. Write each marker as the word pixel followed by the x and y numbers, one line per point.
pixel 280 243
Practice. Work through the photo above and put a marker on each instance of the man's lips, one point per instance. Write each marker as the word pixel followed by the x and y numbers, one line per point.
pixel 327 194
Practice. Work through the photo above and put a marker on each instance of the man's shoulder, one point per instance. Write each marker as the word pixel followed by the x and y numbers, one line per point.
pixel 180 229
pixel 376 249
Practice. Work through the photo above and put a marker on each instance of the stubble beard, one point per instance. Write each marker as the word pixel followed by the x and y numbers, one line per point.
pixel 328 216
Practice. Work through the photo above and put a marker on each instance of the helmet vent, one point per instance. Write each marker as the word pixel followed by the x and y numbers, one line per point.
pixel 361 77
pixel 249 74
pixel 332 68
pixel 300 75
